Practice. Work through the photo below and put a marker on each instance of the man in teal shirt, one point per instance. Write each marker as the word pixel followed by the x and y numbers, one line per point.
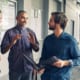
pixel 63 46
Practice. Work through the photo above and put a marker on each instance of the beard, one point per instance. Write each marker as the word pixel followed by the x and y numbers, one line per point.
pixel 51 28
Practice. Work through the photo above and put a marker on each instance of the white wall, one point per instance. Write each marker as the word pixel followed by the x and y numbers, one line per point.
pixel 52 8
pixel 35 16
pixel 8 21
pixel 34 10
pixel 4 65
pixel 72 13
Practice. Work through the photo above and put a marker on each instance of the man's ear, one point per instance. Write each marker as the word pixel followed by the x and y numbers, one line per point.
pixel 57 19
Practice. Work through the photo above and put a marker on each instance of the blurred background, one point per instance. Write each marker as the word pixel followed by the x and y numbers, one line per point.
pixel 39 12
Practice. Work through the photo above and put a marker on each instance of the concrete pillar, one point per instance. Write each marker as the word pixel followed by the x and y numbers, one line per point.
pixel 20 5
pixel 45 12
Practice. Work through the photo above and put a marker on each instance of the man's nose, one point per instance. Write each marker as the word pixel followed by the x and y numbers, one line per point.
pixel 25 20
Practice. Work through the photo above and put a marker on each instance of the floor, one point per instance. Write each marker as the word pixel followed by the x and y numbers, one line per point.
pixel 75 75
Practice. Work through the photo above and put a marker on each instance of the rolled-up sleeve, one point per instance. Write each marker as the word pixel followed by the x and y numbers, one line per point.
pixel 75 54
pixel 5 42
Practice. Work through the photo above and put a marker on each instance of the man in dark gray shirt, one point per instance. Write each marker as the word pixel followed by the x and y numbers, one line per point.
pixel 19 40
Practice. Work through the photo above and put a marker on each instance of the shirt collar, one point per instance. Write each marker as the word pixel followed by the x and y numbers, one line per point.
pixel 61 35
pixel 20 27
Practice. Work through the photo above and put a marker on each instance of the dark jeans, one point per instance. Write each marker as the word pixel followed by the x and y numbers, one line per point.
pixel 21 76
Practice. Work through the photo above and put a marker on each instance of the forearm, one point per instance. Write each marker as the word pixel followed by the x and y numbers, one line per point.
pixel 75 62
pixel 5 49
pixel 72 62
pixel 67 62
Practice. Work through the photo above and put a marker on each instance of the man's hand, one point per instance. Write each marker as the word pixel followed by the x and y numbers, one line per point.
pixel 33 41
pixel 17 37
pixel 41 71
pixel 61 63
pixel 34 71
pixel 14 40
pixel 32 38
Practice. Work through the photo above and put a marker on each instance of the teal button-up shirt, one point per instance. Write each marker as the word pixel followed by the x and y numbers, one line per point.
pixel 63 47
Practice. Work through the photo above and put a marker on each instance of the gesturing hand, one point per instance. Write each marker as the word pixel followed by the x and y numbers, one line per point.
pixel 15 38
pixel 32 38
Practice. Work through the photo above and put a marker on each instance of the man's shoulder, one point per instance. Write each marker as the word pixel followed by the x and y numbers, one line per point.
pixel 70 38
pixel 49 37
pixel 30 30
pixel 10 30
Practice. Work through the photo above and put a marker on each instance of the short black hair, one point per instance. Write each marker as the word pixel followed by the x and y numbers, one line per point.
pixel 21 11
pixel 60 18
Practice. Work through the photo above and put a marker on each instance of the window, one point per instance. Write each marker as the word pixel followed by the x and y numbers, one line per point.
pixel 72 27
pixel 8 9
